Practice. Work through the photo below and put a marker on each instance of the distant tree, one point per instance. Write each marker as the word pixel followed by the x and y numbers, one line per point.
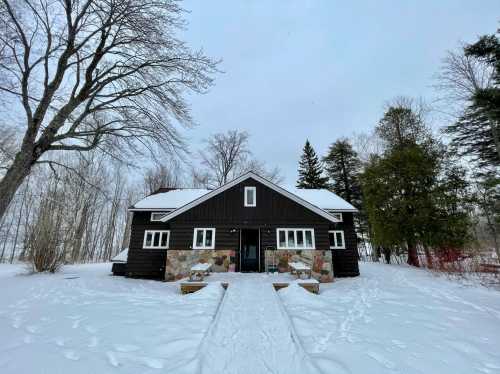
pixel 225 157
pixel 403 124
pixel 342 166
pixel 162 176
pixel 109 76
pixel 310 170
pixel 474 79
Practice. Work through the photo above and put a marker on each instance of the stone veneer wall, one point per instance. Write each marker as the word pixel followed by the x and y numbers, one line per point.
pixel 319 261
pixel 179 262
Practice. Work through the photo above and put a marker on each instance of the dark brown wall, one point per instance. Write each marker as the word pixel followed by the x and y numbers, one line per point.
pixel 227 212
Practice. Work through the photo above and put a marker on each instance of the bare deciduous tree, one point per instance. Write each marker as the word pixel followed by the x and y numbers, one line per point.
pixel 95 74
pixel 162 176
pixel 461 76
pixel 223 156
pixel 227 156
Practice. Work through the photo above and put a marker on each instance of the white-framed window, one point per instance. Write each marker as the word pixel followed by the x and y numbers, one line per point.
pixel 336 238
pixel 156 239
pixel 157 216
pixel 337 215
pixel 250 196
pixel 204 238
pixel 295 238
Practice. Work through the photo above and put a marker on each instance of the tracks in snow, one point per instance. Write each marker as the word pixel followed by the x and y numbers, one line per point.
pixel 252 334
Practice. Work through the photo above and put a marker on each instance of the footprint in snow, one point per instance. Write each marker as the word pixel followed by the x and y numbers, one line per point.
pixel 382 360
pixel 112 359
pixel 91 329
pixel 93 342
pixel 71 355
pixel 126 347
pixel 17 322
pixel 398 343
pixel 153 363
pixel 32 329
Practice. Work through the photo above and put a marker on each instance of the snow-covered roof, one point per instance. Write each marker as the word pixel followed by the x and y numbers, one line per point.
pixel 170 200
pixel 323 199
pixel 121 257
pixel 180 200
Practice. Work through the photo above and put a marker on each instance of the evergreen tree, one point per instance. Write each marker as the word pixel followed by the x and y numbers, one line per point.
pixel 398 202
pixel 477 132
pixel 414 195
pixel 342 166
pixel 310 170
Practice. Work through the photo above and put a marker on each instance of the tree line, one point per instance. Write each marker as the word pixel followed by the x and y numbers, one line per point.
pixel 418 191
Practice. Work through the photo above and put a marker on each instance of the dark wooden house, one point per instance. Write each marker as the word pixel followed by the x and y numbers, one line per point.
pixel 249 225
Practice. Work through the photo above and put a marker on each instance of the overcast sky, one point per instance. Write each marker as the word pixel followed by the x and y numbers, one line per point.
pixel 320 69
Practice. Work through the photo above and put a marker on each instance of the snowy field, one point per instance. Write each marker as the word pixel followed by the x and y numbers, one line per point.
pixel 390 320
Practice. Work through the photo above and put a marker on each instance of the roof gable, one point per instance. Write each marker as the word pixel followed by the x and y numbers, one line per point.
pixel 265 182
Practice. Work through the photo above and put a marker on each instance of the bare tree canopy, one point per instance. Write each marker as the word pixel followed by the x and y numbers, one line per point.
pixel 226 156
pixel 461 76
pixel 108 75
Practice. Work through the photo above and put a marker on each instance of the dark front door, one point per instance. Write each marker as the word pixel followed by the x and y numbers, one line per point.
pixel 249 250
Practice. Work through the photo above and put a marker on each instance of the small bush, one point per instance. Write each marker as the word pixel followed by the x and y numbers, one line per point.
pixel 44 243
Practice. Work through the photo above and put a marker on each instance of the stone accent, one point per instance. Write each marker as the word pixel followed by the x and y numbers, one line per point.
pixel 319 261
pixel 179 262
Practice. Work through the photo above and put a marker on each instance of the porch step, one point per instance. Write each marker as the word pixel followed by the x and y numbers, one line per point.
pixel 190 287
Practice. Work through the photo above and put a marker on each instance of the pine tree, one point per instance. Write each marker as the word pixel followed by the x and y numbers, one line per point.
pixel 342 166
pixel 310 170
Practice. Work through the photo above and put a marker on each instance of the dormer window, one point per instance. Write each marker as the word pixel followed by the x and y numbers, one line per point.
pixel 250 196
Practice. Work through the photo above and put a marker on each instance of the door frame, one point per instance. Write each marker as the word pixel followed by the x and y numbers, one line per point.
pixel 258 248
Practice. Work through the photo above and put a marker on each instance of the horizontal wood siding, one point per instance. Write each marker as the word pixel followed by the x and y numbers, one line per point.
pixel 227 214
pixel 345 261
pixel 145 263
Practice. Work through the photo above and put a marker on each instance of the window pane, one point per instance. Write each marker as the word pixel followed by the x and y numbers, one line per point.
pixel 199 238
pixel 331 239
pixel 149 239
pixel 164 238
pixel 340 242
pixel 282 238
pixel 250 197
pixel 291 239
pixel 208 238
pixel 300 238
pixel 156 239
pixel 309 241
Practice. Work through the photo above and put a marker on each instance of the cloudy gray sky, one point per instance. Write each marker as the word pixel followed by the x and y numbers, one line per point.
pixel 320 69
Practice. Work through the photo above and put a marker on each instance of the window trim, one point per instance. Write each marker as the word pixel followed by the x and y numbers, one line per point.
pixel 339 216
pixel 295 230
pixel 204 229
pixel 334 232
pixel 153 232
pixel 254 189
pixel 159 212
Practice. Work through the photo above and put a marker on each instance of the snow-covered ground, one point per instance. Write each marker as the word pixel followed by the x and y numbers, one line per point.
pixel 395 319
pixel 85 321
pixel 389 320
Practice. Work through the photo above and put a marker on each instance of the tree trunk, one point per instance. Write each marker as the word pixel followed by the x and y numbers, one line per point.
pixel 14 178
pixel 413 256
pixel 428 257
